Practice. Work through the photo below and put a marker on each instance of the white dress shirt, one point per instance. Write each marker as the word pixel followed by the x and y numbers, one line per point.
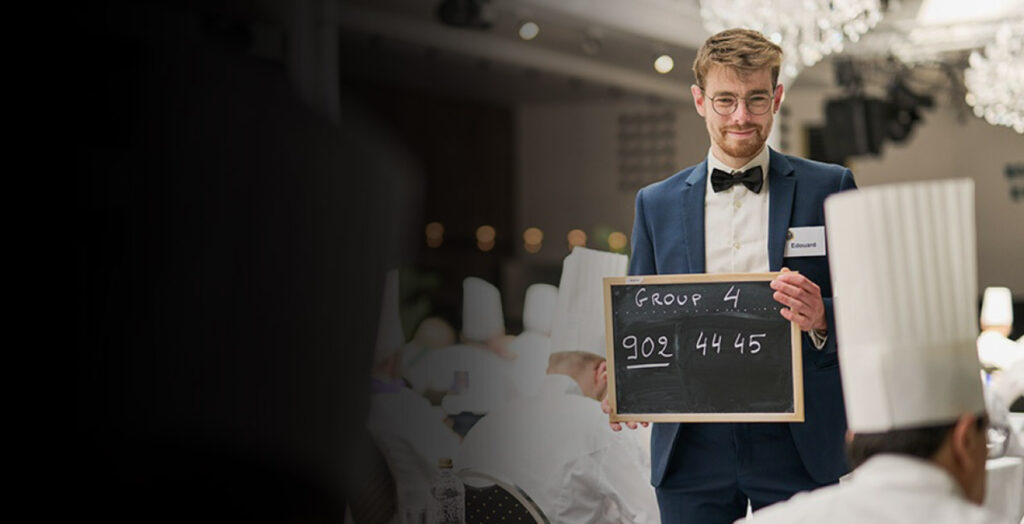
pixel 736 222
pixel 557 447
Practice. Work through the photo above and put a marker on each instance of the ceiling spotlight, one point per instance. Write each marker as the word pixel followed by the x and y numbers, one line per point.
pixel 663 64
pixel 528 30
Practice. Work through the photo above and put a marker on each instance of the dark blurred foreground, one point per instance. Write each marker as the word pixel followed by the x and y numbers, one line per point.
pixel 229 251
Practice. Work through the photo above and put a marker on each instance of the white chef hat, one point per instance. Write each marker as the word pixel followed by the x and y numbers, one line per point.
pixel 539 308
pixel 997 307
pixel 579 316
pixel 389 328
pixel 482 316
pixel 904 271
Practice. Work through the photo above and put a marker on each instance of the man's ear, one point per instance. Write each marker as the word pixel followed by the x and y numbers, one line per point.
pixel 966 456
pixel 777 103
pixel 601 371
pixel 964 439
pixel 698 99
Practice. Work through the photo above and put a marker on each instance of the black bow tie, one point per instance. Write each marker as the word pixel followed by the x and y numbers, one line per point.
pixel 752 178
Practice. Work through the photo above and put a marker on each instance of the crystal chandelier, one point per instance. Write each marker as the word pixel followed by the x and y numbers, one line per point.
pixel 807 30
pixel 995 79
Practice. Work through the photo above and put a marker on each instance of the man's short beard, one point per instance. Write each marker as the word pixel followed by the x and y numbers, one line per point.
pixel 744 149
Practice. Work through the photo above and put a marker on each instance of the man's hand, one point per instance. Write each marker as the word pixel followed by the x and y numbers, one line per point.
pixel 607 408
pixel 802 299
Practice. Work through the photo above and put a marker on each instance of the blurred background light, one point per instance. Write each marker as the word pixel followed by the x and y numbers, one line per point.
pixel 663 64
pixel 528 30
pixel 435 234
pixel 576 237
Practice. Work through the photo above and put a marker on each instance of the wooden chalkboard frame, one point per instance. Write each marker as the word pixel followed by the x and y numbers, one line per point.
pixel 797 415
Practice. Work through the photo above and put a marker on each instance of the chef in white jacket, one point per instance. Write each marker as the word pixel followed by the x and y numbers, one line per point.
pixel 483 321
pixel 533 346
pixel 555 444
pixel 995 350
pixel 904 270
pixel 1004 358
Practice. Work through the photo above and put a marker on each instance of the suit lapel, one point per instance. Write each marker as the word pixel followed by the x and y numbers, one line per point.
pixel 693 216
pixel 781 186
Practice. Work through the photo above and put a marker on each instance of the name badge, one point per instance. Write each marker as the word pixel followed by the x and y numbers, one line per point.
pixel 805 242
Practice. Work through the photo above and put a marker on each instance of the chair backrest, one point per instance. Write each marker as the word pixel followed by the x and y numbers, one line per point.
pixel 489 499
pixel 376 500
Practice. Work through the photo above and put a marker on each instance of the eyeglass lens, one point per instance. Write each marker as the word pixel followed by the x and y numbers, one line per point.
pixel 726 105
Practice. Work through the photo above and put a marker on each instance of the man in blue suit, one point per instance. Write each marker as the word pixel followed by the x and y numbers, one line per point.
pixel 746 208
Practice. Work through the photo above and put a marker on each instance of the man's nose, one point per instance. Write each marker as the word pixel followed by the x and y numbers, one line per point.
pixel 741 114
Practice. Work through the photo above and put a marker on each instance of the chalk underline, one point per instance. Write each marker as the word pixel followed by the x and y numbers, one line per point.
pixel 639 366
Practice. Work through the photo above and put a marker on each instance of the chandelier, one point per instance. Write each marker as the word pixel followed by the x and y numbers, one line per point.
pixel 995 78
pixel 807 30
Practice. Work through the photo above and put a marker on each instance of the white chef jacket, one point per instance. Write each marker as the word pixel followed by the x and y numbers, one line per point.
pixel 412 436
pixel 995 350
pixel 887 488
pixel 556 446
pixel 530 365
pixel 1008 383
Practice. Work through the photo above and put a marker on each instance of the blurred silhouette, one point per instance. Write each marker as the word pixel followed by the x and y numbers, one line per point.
pixel 230 246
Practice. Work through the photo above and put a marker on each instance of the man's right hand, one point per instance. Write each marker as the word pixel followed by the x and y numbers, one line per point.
pixel 607 408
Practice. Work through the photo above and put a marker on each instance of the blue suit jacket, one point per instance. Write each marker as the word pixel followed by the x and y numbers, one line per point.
pixel 668 238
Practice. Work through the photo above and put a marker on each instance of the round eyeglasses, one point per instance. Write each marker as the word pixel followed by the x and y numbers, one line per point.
pixel 726 105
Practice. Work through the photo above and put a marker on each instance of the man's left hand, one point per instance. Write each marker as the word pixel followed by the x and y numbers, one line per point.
pixel 802 299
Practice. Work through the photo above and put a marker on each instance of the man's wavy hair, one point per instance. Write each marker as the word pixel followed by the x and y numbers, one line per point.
pixel 742 50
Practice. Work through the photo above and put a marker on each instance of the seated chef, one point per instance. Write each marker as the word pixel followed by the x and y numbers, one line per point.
pixel 905 317
pixel 995 350
pixel 533 346
pixel 555 444
pixel 1003 361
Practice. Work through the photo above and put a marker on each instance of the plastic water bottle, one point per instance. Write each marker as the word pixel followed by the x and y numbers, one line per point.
pixel 448 496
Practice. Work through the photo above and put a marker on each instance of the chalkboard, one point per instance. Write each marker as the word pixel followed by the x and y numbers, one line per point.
pixel 701 348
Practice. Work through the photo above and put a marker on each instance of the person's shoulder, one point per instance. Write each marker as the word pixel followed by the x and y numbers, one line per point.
pixel 570 410
pixel 668 184
pixel 588 422
pixel 576 406
pixel 955 509
pixel 803 507
pixel 851 503
pixel 802 165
